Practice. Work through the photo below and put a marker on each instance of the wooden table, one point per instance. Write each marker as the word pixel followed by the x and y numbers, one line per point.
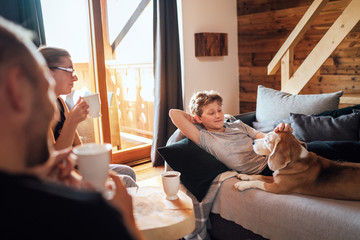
pixel 158 218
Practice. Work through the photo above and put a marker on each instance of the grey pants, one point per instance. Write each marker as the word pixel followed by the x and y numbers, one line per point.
pixel 126 173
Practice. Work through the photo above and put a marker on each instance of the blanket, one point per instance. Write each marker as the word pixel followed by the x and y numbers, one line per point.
pixel 202 209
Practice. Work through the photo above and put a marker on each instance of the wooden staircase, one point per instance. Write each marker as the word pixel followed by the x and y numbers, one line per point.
pixel 294 81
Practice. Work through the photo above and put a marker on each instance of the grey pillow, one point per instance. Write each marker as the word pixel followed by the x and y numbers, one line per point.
pixel 266 127
pixel 273 105
pixel 325 128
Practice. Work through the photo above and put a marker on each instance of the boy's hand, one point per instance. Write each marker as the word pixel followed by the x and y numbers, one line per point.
pixel 283 127
pixel 190 118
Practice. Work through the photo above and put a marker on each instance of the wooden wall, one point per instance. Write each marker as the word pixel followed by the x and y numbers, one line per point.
pixel 263 25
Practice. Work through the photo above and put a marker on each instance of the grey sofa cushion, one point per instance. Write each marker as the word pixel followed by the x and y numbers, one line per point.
pixel 310 128
pixel 273 105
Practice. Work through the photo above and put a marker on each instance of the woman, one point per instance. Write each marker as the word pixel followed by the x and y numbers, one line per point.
pixel 64 133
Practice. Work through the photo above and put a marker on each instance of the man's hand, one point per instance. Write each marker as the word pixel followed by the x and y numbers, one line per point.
pixel 283 127
pixel 59 168
pixel 122 201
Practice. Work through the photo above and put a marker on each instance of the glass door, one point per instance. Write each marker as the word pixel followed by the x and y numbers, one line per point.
pixel 128 44
pixel 69 28
pixel 121 69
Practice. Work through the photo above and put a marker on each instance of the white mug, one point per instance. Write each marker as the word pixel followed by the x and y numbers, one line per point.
pixel 93 100
pixel 93 160
pixel 171 184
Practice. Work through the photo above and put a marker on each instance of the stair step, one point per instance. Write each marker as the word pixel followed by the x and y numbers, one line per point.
pixel 350 99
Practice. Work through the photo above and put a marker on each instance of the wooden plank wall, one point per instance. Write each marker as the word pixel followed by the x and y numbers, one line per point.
pixel 263 25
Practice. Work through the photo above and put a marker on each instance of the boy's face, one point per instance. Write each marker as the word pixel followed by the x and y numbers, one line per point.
pixel 212 117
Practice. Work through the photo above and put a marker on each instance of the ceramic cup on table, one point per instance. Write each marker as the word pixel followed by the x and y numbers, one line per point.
pixel 93 160
pixel 93 100
pixel 171 184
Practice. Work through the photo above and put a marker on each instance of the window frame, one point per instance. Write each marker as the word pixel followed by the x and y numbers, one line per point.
pixel 99 47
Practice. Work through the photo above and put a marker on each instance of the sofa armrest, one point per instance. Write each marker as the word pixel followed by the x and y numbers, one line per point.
pixel 247 118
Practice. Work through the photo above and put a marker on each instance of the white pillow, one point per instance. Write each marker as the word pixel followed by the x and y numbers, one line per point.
pixel 273 105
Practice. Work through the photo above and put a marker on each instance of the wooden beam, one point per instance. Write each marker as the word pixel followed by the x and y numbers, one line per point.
pixel 295 36
pixel 350 99
pixel 140 8
pixel 104 17
pixel 287 66
pixel 99 63
pixel 333 37
pixel 128 155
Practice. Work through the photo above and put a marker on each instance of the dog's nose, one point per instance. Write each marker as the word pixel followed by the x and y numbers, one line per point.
pixel 253 141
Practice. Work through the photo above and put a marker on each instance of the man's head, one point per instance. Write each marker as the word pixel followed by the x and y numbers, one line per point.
pixel 26 97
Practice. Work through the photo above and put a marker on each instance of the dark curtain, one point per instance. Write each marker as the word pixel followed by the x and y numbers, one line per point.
pixel 26 13
pixel 167 70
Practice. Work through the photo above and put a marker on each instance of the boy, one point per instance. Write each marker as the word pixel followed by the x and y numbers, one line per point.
pixel 231 143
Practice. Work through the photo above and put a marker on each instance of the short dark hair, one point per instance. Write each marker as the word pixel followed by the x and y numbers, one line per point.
pixel 17 49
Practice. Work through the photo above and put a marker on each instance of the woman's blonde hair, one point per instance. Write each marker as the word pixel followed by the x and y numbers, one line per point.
pixel 201 99
pixel 53 56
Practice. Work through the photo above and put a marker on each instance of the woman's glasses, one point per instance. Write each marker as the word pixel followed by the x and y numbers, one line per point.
pixel 70 70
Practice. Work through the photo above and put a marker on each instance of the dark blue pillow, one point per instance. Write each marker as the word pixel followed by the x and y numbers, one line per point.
pixel 336 150
pixel 338 112
pixel 198 168
pixel 310 128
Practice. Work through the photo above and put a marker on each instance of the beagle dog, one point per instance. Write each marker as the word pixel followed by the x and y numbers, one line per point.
pixel 298 171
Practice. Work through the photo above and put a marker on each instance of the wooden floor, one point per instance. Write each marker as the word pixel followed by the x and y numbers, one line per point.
pixel 147 175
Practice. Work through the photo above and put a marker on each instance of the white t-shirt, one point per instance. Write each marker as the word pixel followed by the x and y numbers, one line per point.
pixel 234 147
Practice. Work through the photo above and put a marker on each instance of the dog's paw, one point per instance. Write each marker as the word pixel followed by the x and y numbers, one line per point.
pixel 243 177
pixel 241 186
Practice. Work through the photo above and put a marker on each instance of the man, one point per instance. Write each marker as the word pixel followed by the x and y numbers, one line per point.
pixel 34 203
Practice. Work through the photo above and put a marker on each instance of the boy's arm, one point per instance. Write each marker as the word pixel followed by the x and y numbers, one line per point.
pixel 185 122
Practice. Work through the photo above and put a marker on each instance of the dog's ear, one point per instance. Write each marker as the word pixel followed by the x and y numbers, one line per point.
pixel 302 144
pixel 280 155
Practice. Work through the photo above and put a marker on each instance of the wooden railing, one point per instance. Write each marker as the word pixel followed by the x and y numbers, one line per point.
pixel 130 100
pixel 294 81
pixel 132 88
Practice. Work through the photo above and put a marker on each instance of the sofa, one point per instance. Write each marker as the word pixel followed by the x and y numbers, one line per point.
pixel 222 212
pixel 255 214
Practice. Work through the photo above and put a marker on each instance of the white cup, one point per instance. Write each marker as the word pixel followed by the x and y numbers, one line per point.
pixel 93 100
pixel 171 184
pixel 93 160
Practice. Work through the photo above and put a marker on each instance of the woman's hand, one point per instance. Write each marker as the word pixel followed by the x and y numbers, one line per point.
pixel 283 127
pixel 79 111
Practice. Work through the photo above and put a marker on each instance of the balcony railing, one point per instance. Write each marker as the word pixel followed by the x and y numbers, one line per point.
pixel 130 98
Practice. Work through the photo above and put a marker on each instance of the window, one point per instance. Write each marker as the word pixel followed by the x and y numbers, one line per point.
pixel 128 80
